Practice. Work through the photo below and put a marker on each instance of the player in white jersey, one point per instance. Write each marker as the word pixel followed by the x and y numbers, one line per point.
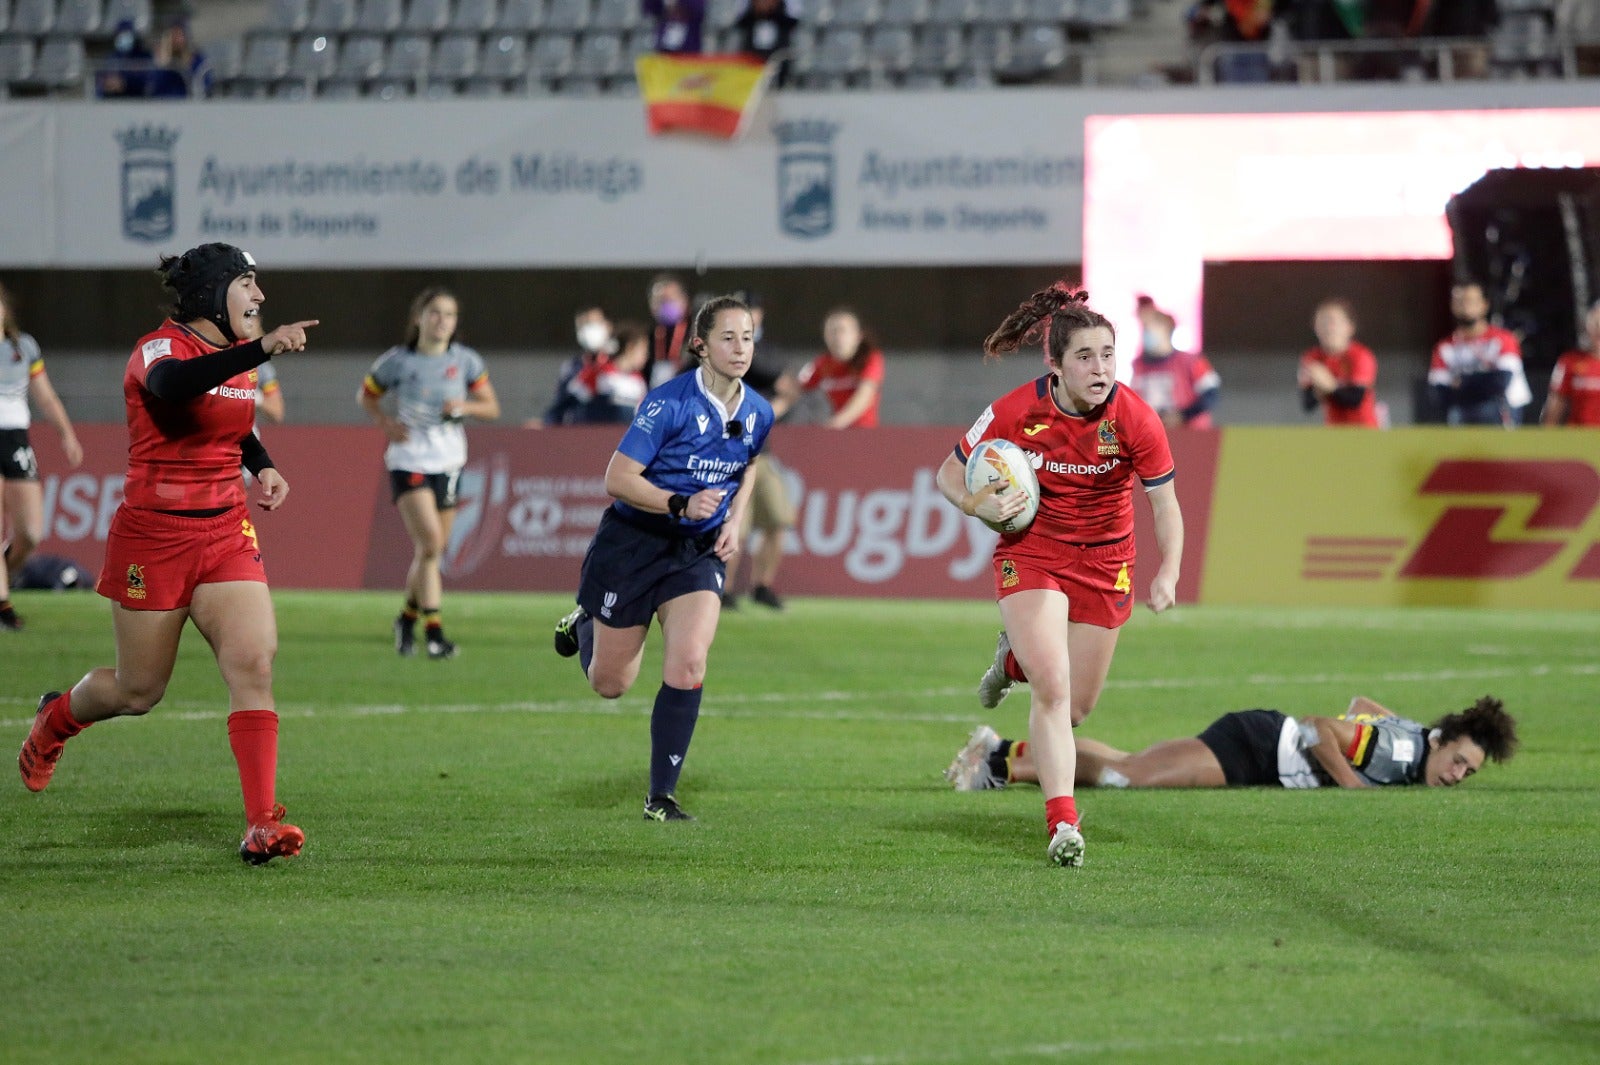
pixel 1367 746
pixel 22 377
pixel 437 384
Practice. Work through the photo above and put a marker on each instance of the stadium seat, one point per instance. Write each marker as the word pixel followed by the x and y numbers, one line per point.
pixel 724 13
pixel 224 57
pixel 846 13
pixel 454 61
pixel 1037 52
pixel 903 13
pixel 1051 12
pixel 1002 12
pixel 79 18
pixel 292 89
pixel 839 58
pixel 521 16
pixel 410 55
pixel 332 16
pixel 989 47
pixel 5 15
pixel 473 16
pixel 361 60
pixel 378 16
pixel 502 64
pixel 137 12
pixel 60 64
pixel 551 58
pixel 36 17
pixel 314 59
pixel 940 52
pixel 952 12
pixel 1104 13
pixel 339 90
pixel 16 61
pixel 566 16
pixel 889 52
pixel 266 58
pixel 599 57
pixel 284 16
pixel 617 15
pixel 426 16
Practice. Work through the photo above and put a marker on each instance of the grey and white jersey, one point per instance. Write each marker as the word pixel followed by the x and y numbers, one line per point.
pixel 1386 750
pixel 421 385
pixel 19 361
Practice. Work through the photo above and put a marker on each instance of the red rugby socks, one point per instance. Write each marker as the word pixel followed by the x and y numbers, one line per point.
pixel 1061 808
pixel 1014 668
pixel 253 735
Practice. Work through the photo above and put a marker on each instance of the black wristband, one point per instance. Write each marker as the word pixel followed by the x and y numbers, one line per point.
pixel 677 503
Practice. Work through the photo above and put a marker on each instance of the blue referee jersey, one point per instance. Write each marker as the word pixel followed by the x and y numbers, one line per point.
pixel 687 441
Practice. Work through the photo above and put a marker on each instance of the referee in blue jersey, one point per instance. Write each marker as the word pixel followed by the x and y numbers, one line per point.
pixel 662 548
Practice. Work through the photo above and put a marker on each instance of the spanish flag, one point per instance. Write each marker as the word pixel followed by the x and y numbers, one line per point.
pixel 713 94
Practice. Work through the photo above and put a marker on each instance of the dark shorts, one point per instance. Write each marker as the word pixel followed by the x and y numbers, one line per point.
pixel 442 485
pixel 1246 743
pixel 628 572
pixel 17 462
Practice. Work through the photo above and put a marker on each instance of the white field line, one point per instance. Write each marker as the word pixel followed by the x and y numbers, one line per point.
pixel 1080 1047
pixel 769 705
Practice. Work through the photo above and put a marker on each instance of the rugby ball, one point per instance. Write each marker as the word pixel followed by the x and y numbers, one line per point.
pixel 1001 460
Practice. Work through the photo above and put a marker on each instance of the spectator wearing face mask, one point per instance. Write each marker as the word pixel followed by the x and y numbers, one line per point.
pixel 126 71
pixel 1180 386
pixel 669 313
pixel 607 391
pixel 593 331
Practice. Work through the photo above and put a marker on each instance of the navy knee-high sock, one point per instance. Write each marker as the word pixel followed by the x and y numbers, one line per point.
pixel 585 642
pixel 671 728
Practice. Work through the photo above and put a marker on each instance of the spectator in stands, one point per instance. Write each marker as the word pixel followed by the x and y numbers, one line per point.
pixel 849 373
pixel 1476 373
pixel 1180 386
pixel 1235 21
pixel 607 391
pixel 1340 373
pixel 669 310
pixel 1464 18
pixel 126 71
pixel 679 24
pixel 592 329
pixel 1575 385
pixel 180 70
pixel 771 511
pixel 764 28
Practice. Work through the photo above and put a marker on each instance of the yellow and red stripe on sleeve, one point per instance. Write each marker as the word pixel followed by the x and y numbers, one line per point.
pixel 1359 752
pixel 36 368
pixel 371 387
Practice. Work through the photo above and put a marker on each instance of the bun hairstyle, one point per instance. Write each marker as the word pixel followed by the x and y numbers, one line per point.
pixel 1051 315
pixel 705 319
pixel 198 282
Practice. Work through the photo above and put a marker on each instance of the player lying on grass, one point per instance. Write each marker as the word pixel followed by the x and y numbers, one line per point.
pixel 1367 746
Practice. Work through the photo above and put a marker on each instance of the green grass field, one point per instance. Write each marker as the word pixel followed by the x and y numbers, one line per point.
pixel 478 884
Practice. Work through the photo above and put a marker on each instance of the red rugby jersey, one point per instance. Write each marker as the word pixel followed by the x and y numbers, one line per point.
pixel 1086 462
pixel 1356 366
pixel 1577 380
pixel 839 382
pixel 184 456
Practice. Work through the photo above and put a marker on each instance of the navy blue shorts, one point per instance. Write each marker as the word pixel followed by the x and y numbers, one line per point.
pixel 1246 744
pixel 628 572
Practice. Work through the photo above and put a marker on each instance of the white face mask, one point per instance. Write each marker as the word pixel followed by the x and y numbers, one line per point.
pixel 593 335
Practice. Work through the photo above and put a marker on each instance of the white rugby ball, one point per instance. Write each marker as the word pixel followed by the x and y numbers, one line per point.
pixel 1001 460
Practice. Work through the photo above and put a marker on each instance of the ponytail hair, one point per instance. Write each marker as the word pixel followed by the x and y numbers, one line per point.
pixel 1051 315
pixel 9 329
pixel 420 304
pixel 706 318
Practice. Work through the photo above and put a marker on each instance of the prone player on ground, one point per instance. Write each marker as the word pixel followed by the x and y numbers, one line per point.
pixel 1367 746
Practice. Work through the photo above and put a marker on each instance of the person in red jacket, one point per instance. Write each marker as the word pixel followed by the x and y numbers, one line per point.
pixel 181 547
pixel 1340 373
pixel 1575 384
pixel 849 373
